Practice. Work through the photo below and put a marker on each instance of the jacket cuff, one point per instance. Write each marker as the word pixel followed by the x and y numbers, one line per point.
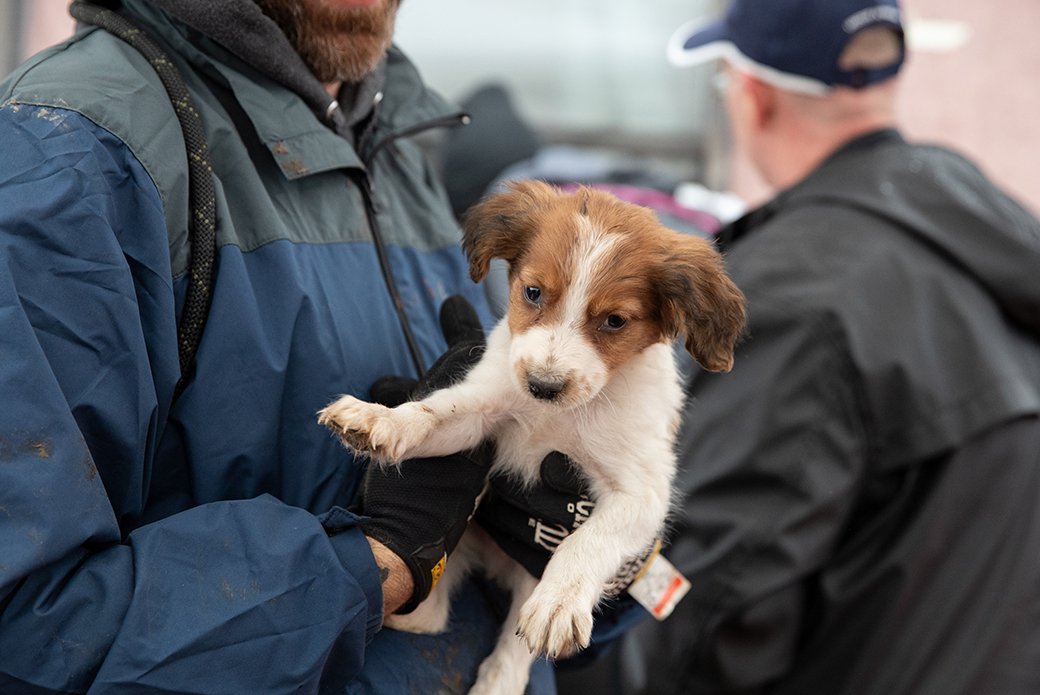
pixel 355 554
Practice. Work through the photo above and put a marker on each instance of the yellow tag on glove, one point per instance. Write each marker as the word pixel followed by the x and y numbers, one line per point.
pixel 437 571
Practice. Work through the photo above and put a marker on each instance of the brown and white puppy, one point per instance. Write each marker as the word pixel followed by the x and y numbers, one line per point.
pixel 581 364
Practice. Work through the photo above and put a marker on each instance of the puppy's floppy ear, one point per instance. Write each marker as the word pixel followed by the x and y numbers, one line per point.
pixel 500 224
pixel 698 299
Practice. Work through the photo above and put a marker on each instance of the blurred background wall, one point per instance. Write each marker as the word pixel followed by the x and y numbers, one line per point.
pixel 983 97
pixel 593 73
pixel 585 72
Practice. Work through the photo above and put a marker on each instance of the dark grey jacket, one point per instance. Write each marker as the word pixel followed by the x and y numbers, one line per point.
pixel 861 494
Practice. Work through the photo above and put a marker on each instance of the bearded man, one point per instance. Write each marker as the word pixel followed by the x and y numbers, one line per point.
pixel 180 524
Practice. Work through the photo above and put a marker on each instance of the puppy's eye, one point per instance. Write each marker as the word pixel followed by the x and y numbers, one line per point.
pixel 614 322
pixel 532 294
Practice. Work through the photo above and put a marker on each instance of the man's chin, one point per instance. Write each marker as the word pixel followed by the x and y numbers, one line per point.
pixel 346 58
pixel 339 40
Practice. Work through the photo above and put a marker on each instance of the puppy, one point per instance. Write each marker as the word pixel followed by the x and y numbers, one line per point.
pixel 581 364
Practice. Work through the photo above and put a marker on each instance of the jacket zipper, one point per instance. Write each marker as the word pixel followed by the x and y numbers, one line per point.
pixel 445 121
pixel 377 236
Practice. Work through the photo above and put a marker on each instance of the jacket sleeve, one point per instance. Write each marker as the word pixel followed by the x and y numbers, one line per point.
pixel 248 596
pixel 771 456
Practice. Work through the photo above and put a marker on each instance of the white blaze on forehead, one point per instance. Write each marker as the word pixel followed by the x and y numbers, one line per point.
pixel 592 249
pixel 560 350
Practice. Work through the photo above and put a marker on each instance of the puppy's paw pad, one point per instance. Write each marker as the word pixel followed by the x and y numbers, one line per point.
pixel 554 627
pixel 367 428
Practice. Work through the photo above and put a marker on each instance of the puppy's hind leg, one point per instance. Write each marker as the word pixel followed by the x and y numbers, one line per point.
pixel 431 616
pixel 507 669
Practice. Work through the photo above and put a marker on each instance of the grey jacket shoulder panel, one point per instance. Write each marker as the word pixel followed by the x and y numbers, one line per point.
pixel 70 76
pixel 279 173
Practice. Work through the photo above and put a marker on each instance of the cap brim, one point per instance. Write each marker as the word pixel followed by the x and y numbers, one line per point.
pixel 698 41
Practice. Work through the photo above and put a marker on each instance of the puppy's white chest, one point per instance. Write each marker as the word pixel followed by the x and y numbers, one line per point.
pixel 523 443
pixel 634 416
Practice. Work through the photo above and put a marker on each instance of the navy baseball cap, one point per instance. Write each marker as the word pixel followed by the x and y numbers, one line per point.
pixel 793 44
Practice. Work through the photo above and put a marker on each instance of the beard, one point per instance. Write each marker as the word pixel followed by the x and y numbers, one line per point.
pixel 336 43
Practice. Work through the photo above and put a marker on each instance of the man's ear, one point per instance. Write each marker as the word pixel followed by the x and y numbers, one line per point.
pixel 698 299
pixel 500 225
pixel 762 100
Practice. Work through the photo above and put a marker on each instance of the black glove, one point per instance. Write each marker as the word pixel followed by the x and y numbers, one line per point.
pixel 529 522
pixel 420 511
pixel 465 337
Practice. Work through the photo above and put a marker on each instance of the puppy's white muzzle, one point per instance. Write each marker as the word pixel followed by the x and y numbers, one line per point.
pixel 557 365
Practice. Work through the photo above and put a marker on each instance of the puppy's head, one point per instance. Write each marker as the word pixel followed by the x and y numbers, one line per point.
pixel 595 281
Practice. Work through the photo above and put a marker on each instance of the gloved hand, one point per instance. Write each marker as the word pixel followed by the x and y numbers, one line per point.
pixel 529 522
pixel 421 511
pixel 465 337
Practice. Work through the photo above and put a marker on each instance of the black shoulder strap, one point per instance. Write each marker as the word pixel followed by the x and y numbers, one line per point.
pixel 202 237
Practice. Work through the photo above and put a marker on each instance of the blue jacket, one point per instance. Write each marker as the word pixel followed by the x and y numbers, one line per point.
pixel 150 548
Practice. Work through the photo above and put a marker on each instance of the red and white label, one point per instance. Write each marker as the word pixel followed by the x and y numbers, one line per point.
pixel 660 587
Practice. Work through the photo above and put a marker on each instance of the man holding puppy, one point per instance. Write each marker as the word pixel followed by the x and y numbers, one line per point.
pixel 861 507
pixel 172 516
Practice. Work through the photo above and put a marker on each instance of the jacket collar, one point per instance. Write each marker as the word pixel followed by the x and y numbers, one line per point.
pixel 863 142
pixel 759 216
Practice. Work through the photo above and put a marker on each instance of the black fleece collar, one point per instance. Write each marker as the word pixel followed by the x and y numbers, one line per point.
pixel 242 28
pixel 760 215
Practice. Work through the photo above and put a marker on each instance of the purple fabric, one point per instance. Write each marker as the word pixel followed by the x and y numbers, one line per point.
pixel 656 200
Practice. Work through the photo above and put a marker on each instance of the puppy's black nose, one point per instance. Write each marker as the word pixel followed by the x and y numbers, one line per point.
pixel 545 390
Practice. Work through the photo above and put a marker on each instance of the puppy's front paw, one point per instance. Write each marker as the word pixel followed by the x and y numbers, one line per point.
pixel 555 623
pixel 367 428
